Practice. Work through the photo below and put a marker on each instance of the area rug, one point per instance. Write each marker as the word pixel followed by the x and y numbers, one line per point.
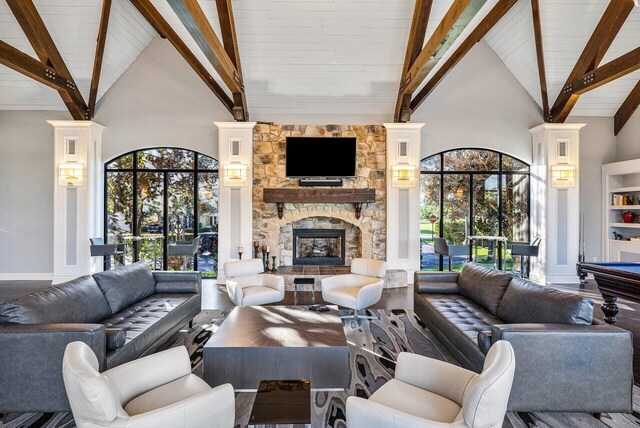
pixel 373 349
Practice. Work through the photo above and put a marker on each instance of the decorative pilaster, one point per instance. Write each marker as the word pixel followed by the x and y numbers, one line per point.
pixel 235 209
pixel 403 196
pixel 555 201
pixel 78 197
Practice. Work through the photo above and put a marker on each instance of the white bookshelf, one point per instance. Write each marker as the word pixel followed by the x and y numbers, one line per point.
pixel 620 179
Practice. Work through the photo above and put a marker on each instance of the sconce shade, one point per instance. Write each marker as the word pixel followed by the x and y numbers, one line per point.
pixel 235 175
pixel 403 175
pixel 71 174
pixel 563 176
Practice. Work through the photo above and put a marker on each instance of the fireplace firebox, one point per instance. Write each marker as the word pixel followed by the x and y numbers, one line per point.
pixel 318 246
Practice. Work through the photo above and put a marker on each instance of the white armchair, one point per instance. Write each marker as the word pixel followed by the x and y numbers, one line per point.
pixel 157 391
pixel 359 289
pixel 428 393
pixel 247 285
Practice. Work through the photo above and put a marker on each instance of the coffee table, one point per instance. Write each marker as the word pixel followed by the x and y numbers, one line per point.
pixel 282 402
pixel 278 342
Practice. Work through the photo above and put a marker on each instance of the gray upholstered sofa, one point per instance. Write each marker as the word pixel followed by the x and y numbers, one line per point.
pixel 565 360
pixel 122 314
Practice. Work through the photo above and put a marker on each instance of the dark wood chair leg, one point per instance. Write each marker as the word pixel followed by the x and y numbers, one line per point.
pixel 191 324
pixel 449 263
pixel 597 415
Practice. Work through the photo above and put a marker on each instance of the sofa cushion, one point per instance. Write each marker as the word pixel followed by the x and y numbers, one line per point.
pixel 126 285
pixel 76 301
pixel 526 302
pixel 483 285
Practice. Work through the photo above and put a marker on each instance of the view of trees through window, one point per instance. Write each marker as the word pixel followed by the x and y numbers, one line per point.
pixel 473 192
pixel 156 197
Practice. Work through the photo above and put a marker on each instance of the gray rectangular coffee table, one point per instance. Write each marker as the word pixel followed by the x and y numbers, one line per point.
pixel 278 342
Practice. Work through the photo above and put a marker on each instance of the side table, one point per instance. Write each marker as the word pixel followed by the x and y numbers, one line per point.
pixel 304 281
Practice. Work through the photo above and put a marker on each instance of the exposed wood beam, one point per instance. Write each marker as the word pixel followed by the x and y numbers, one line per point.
pixel 198 25
pixel 599 42
pixel 31 23
pixel 606 73
pixel 498 11
pixel 163 28
pixel 627 109
pixel 97 61
pixel 542 75
pixel 230 41
pixel 417 34
pixel 452 25
pixel 31 67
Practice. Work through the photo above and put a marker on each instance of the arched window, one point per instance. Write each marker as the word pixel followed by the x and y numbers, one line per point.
pixel 154 197
pixel 473 192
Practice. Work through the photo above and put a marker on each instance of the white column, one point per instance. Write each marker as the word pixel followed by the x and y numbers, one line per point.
pixel 235 208
pixel 403 199
pixel 555 212
pixel 77 210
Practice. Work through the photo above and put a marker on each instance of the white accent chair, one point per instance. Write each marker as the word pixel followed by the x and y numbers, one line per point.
pixel 247 285
pixel 359 289
pixel 156 391
pixel 428 393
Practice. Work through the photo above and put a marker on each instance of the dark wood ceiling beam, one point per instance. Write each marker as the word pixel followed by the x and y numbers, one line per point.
pixel 31 23
pixel 230 42
pixel 627 109
pixel 163 28
pixel 31 67
pixel 542 75
pixel 198 25
pixel 492 18
pixel 97 61
pixel 452 25
pixel 605 32
pixel 417 34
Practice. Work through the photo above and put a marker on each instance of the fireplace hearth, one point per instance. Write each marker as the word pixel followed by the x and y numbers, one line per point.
pixel 318 246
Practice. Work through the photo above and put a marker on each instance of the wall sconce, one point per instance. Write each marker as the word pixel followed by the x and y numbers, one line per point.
pixel 563 176
pixel 234 175
pixel 403 175
pixel 71 174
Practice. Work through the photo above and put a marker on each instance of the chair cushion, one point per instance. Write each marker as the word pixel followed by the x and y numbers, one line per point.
pixel 484 286
pixel 76 301
pixel 526 302
pixel 238 268
pixel 166 395
pixel 343 296
pixel 416 401
pixel 126 285
pixel 369 267
pixel 257 295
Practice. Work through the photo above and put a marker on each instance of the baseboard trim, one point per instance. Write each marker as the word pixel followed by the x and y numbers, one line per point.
pixel 26 276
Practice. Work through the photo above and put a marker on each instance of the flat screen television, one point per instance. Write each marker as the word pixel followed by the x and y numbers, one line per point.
pixel 324 157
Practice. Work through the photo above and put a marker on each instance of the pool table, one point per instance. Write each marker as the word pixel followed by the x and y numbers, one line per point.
pixel 614 279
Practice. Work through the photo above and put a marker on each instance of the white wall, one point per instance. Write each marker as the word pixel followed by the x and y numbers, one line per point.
pixel 159 102
pixel 629 139
pixel 479 104
pixel 26 191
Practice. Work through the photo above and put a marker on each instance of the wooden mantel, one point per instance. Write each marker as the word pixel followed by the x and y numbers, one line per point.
pixel 357 197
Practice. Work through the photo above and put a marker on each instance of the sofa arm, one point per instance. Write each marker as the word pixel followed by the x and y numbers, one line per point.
pixel 178 282
pixel 436 282
pixel 31 363
pixel 571 368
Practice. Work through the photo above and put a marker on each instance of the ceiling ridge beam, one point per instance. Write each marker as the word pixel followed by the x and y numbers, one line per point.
pixel 492 18
pixel 31 67
pixel 627 109
pixel 415 43
pixel 36 31
pixel 230 42
pixel 542 75
pixel 155 19
pixel 605 32
pixel 97 61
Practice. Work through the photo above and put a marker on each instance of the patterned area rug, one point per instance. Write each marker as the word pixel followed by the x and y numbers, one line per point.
pixel 373 347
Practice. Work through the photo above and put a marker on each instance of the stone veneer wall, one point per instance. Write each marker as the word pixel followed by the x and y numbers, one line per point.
pixel 269 172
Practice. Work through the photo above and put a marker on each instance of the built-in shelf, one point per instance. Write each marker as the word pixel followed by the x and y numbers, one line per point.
pixel 627 225
pixel 625 189
pixel 624 207
pixel 357 197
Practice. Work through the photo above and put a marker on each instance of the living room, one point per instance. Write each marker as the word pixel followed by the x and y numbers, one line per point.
pixel 319 213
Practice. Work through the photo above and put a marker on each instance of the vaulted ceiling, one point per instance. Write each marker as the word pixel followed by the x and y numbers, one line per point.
pixel 320 56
